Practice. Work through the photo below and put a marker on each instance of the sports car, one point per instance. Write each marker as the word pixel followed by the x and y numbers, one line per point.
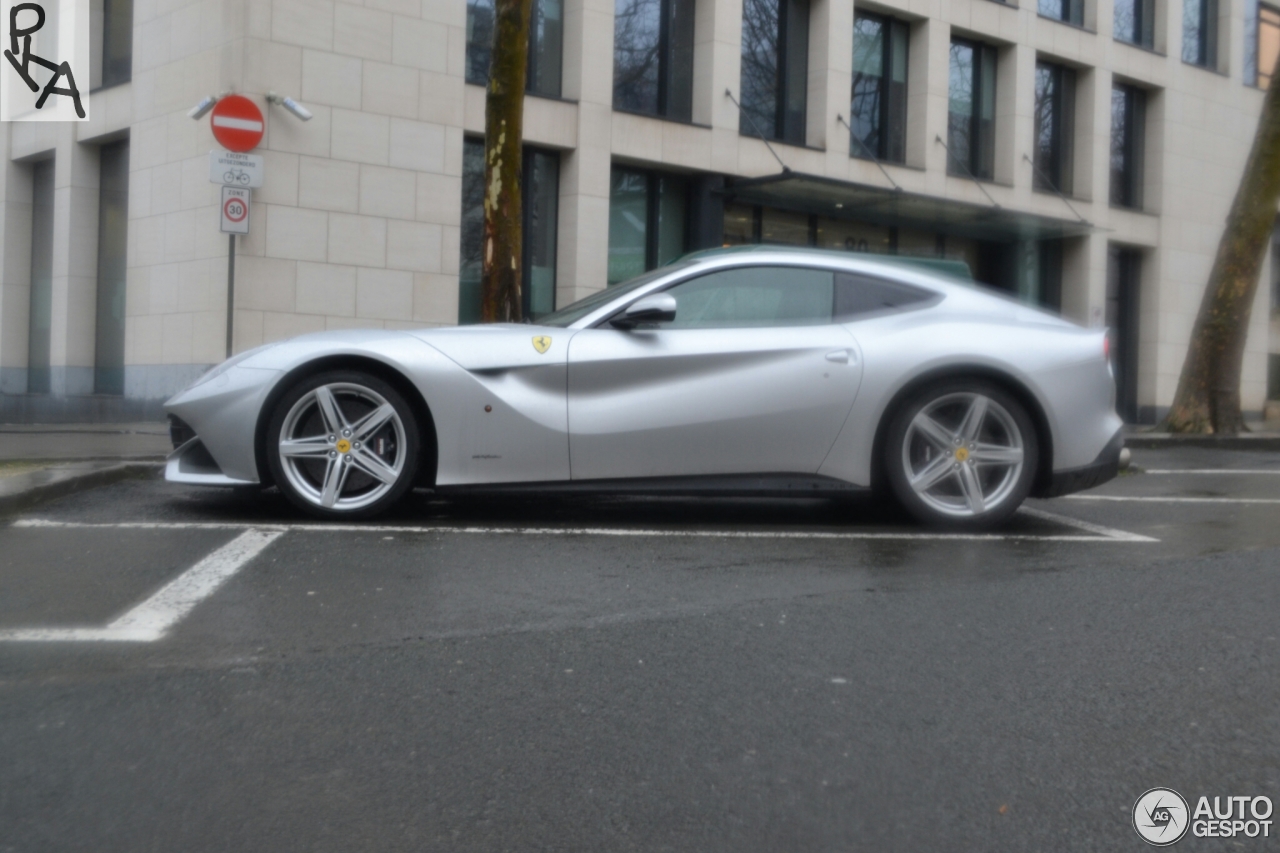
pixel 757 370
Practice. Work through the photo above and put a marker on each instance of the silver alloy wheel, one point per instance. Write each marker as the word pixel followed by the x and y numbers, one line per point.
pixel 342 446
pixel 963 454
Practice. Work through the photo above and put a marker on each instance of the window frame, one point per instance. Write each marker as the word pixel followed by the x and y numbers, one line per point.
pixel 890 140
pixel 980 164
pixel 1129 195
pixel 1057 175
pixel 788 126
pixel 1144 24
pixel 1206 43
pixel 671 63
pixel 533 72
pixel 1070 11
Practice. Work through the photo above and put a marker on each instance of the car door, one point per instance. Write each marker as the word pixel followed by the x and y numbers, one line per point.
pixel 752 376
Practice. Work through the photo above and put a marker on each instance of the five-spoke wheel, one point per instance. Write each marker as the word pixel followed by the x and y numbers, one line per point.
pixel 961 452
pixel 343 444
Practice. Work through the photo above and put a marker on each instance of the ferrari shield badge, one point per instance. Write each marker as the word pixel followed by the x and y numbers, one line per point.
pixel 541 343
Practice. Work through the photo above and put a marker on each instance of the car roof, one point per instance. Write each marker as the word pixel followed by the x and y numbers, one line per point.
pixel 948 267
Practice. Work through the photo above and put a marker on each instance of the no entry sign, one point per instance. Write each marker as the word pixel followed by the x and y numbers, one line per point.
pixel 237 123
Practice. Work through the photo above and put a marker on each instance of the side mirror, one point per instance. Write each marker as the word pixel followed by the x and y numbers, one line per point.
pixel 654 308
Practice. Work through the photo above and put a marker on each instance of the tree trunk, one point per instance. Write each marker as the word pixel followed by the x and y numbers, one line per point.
pixel 503 131
pixel 1208 396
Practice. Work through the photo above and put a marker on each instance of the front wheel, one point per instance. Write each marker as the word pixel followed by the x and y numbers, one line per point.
pixel 961 453
pixel 343 444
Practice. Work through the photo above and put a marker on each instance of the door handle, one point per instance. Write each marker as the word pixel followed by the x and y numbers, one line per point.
pixel 841 356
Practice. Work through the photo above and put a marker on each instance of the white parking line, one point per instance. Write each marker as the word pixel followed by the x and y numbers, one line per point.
pixel 152 618
pixel 1091 532
pixel 1275 472
pixel 1160 499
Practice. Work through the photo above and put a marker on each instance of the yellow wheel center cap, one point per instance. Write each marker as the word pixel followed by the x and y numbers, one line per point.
pixel 343 446
pixel 962 453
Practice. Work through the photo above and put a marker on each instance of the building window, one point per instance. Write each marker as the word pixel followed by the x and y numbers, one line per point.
pixel 117 42
pixel 546 31
pixel 1068 11
pixel 1268 50
pixel 1124 281
pixel 775 69
pixel 971 110
pixel 878 107
pixel 1054 127
pixel 1135 22
pixel 1200 32
pixel 40 313
pixel 648 212
pixel 540 185
pixel 1128 119
pixel 113 232
pixel 653 57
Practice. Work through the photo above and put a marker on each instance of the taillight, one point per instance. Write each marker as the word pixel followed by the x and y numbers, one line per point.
pixel 1106 347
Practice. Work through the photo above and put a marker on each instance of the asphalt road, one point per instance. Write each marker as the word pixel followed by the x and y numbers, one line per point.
pixel 639 674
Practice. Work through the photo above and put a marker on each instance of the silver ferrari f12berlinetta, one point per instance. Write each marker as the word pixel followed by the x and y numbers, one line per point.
pixel 762 371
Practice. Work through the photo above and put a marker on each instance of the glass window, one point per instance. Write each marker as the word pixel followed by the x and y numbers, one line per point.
pixel 754 297
pixel 740 225
pixel 1268 43
pixel 1054 127
pixel 971 110
pixel 878 108
pixel 653 57
pixel 647 221
pixel 775 69
pixel 859 294
pixel 1128 119
pixel 1070 11
pixel 540 197
pixel 117 42
pixel 113 233
pixel 40 314
pixel 1200 32
pixel 546 32
pixel 1135 22
pixel 854 236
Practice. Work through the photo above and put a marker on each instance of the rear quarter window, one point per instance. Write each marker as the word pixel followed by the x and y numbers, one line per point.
pixel 859 296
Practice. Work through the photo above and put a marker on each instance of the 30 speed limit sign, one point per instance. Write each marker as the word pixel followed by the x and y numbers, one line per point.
pixel 235 210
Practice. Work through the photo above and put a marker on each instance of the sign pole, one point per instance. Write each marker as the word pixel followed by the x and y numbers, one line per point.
pixel 231 287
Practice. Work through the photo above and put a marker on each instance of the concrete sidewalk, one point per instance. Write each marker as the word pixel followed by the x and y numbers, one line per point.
pixel 42 462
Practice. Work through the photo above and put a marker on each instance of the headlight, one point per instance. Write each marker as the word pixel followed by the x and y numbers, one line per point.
pixel 215 372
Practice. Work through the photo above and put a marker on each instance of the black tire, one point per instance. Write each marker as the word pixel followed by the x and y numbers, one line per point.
pixel 914 451
pixel 366 488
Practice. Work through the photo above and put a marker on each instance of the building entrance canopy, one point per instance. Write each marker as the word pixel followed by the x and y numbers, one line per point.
pixel 817 195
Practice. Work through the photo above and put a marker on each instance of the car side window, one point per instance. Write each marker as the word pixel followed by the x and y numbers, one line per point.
pixel 752 297
pixel 860 295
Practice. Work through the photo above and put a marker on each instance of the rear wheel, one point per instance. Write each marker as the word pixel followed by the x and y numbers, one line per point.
pixel 343 444
pixel 961 453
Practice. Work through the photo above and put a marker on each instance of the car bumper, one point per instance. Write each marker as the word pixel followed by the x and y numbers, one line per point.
pixel 1097 472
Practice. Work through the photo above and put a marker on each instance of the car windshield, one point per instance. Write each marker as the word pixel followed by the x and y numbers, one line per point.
pixel 572 313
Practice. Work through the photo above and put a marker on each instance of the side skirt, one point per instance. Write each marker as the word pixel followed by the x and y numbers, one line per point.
pixel 735 485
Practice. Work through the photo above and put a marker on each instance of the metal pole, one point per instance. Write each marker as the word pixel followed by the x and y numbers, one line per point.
pixel 231 287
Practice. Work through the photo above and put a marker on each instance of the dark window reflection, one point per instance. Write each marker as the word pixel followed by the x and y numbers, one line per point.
pixel 540 197
pixel 647 221
pixel 878 105
pixel 546 34
pixel 1128 118
pixel 1134 21
pixel 971 109
pixel 113 233
pixel 1200 32
pixel 775 47
pixel 1054 127
pixel 1071 11
pixel 653 57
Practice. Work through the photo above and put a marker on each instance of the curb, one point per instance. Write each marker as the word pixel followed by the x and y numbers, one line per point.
pixel 63 483
pixel 1167 441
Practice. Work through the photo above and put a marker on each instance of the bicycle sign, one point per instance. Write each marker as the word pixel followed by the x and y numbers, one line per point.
pixel 232 169
pixel 235 211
